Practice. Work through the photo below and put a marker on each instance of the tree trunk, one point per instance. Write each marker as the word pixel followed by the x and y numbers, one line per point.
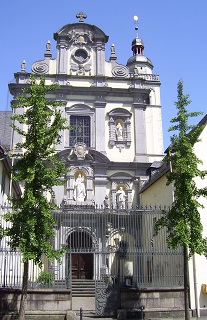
pixel 186 283
pixel 24 291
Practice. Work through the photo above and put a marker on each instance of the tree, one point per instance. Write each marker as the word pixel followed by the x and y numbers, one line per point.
pixel 183 222
pixel 39 168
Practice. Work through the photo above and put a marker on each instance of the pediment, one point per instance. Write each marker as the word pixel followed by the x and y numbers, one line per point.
pixel 78 108
pixel 119 112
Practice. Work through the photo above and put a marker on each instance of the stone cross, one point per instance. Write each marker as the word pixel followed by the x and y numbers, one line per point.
pixel 81 16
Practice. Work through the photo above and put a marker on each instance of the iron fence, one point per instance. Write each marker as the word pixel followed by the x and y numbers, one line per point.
pixel 116 246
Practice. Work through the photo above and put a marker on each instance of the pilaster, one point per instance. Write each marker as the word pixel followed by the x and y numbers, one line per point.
pixel 100 124
pixel 62 66
pixel 140 133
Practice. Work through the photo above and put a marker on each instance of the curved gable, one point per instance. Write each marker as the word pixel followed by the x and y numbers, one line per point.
pixel 66 31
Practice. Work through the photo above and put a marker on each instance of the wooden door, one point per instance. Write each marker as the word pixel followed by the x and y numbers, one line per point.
pixel 82 265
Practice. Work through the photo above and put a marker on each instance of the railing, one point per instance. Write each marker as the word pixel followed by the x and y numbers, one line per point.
pixel 121 245
pixel 150 77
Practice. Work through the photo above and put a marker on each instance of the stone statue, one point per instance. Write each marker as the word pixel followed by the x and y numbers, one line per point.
pixel 119 132
pixel 106 202
pixel 112 48
pixel 121 198
pixel 79 189
pixel 48 45
pixel 23 66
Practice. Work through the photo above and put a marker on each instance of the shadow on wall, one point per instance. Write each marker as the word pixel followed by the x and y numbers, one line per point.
pixel 9 302
pixel 109 289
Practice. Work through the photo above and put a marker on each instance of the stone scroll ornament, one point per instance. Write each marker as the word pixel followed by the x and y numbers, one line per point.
pixel 40 67
pixel 120 71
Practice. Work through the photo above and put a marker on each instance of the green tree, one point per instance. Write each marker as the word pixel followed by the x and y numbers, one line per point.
pixel 183 222
pixel 39 168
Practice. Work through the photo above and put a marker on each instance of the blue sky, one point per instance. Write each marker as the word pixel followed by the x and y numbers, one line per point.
pixel 173 31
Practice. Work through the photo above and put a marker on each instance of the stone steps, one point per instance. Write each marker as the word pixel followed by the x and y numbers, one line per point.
pixel 83 288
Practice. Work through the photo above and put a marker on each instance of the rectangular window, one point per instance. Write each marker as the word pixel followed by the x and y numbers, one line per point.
pixel 80 130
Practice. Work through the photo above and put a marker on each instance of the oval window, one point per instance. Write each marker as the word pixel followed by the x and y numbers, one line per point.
pixel 81 55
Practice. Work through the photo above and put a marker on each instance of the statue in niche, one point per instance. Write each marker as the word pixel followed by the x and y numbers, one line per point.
pixel 121 198
pixel 119 132
pixel 79 189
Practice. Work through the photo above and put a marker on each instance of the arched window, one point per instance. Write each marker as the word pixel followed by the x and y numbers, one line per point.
pixel 79 241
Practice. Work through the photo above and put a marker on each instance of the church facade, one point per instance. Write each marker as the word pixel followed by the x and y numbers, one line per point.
pixel 114 139
pixel 114 111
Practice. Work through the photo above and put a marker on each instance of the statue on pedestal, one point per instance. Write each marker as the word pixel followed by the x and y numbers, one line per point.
pixel 119 132
pixel 121 198
pixel 79 189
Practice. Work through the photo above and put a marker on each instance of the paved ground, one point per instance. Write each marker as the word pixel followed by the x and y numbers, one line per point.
pixel 86 303
pixel 194 318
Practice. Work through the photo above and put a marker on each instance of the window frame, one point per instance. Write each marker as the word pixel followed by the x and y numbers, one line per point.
pixel 81 110
pixel 85 136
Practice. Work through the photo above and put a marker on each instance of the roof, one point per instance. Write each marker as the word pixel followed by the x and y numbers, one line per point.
pixel 160 172
pixel 73 30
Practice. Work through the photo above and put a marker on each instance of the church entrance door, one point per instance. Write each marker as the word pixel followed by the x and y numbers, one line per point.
pixel 80 245
pixel 82 265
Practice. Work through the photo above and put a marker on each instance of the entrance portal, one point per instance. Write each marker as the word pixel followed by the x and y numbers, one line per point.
pixel 82 265
pixel 80 245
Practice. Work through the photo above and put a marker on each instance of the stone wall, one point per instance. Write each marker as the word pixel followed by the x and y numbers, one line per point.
pixel 157 302
pixel 57 304
pixel 40 303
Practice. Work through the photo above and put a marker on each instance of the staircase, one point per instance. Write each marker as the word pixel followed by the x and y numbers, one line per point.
pixel 83 296
pixel 83 288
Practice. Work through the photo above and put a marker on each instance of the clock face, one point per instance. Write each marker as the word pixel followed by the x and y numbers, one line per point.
pixel 81 55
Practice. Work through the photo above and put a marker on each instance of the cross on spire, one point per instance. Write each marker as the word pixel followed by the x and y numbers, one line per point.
pixel 81 16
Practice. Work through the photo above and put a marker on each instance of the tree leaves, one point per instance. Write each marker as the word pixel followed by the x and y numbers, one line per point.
pixel 183 220
pixel 39 122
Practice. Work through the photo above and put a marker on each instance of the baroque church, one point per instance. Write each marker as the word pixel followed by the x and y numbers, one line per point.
pixel 113 144
pixel 114 112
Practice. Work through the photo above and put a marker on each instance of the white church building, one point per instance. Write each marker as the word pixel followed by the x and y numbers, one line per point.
pixel 115 142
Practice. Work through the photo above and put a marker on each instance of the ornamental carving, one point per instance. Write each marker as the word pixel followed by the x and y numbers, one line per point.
pixel 80 69
pixel 106 297
pixel 120 71
pixel 40 67
pixel 80 38
pixel 80 150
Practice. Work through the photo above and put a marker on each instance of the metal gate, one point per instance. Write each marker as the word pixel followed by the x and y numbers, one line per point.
pixel 117 247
